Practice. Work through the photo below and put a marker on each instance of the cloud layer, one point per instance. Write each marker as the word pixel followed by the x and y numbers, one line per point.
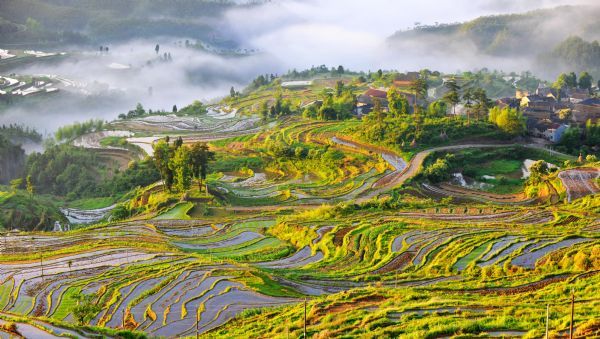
pixel 311 32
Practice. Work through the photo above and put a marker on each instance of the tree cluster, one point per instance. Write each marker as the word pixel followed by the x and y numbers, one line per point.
pixel 509 120
pixel 77 129
pixel 279 107
pixel 178 165
pixel 75 172
pixel 586 141
pixel 336 105
pixel 570 80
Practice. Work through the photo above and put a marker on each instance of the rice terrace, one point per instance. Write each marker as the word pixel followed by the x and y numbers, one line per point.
pixel 316 203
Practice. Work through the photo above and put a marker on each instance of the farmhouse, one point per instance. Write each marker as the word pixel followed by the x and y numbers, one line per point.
pixel 508 102
pixel 586 109
pixel 546 129
pixel 365 101
pixel 577 95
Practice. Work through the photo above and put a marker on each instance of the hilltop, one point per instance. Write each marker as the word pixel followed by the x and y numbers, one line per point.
pixel 524 36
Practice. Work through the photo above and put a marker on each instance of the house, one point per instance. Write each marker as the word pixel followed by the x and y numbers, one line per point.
pixel 508 102
pixel 586 109
pixel 371 94
pixel 366 101
pixel 550 92
pixel 538 103
pixel 402 83
pixel 546 129
pixel 577 95
pixel 555 132
pixel 521 93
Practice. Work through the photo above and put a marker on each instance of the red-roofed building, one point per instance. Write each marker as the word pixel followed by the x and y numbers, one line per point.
pixel 376 93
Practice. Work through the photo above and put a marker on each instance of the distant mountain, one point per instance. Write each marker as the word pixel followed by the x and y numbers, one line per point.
pixel 528 35
pixel 92 21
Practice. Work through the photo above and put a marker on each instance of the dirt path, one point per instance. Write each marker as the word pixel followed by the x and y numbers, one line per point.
pixel 415 164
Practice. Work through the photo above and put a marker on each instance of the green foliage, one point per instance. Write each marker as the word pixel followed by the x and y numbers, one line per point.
pixel 196 108
pixel 66 170
pixel 19 132
pixel 575 140
pixel 452 97
pixel 200 156
pixel 75 173
pixel 438 171
pixel 437 109
pixel 397 103
pixel 70 132
pixel 585 80
pixel 178 164
pixel 12 160
pixel 138 174
pixel 85 309
pixel 399 132
pixel 182 170
pixel 578 54
pixel 19 210
pixel 84 21
pixel 537 172
pixel 509 120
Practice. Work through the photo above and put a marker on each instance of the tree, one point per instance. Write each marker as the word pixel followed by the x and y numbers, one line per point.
pixel 561 82
pixel 178 142
pixel 340 69
pixel 232 92
pixel 452 97
pixel 437 109
pixel 85 309
pixel 200 156
pixel 537 170
pixel 509 120
pixel 15 184
pixel 572 80
pixel 174 108
pixel 397 103
pixel 585 81
pixel 468 97
pixel 162 155
pixel 378 110
pixel 157 48
pixel 438 171
pixel 419 88
pixel 565 114
pixel 483 103
pixel 181 168
pixel 263 110
pixel 29 185
pixel 33 25
pixel 339 88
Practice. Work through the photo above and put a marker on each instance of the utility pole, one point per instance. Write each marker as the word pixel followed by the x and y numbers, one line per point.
pixel 304 318
pixel 42 266
pixel 572 312
pixel 547 318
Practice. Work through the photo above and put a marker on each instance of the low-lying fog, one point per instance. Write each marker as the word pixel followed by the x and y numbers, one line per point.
pixel 288 33
pixel 131 73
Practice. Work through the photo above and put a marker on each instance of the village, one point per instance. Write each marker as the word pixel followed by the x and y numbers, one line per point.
pixel 548 112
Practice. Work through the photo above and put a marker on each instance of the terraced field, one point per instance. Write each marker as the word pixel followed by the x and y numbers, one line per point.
pixel 284 229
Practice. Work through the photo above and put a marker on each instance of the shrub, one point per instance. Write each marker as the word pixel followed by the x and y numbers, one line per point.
pixel 581 261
